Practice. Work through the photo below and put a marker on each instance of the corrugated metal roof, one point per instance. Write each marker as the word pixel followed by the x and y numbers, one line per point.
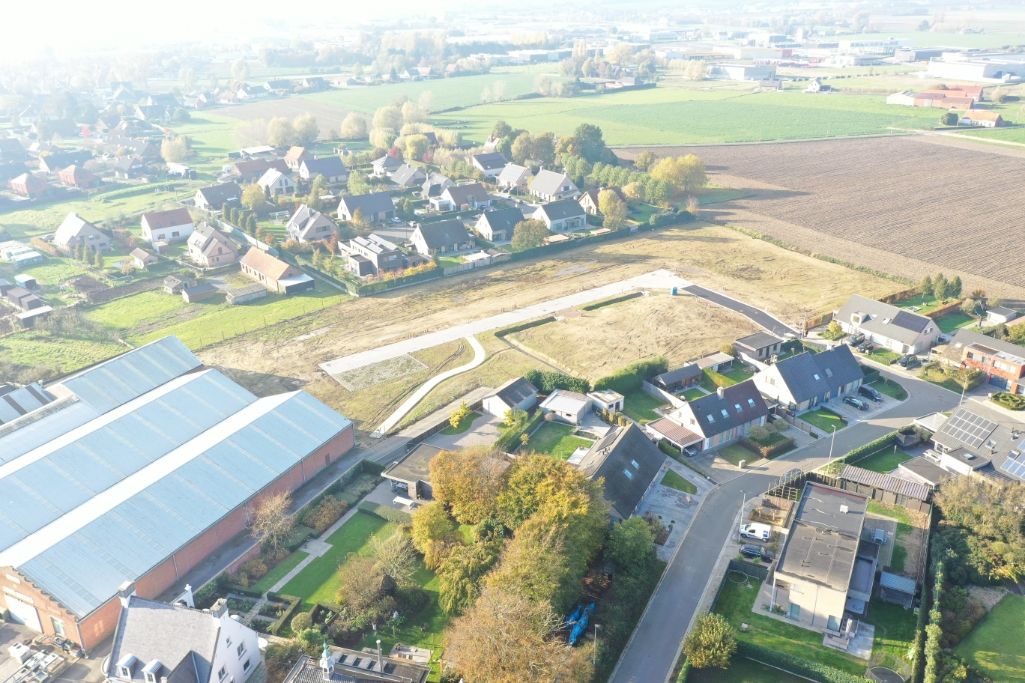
pixel 55 478
pixel 126 541
pixel 885 482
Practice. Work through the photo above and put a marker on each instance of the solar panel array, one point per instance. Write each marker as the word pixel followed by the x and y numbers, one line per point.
pixel 1014 465
pixel 968 428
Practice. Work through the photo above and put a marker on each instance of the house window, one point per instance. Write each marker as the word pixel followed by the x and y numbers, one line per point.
pixel 125 672
pixel 636 465
pixel 151 677
pixel 245 665
pixel 227 641
pixel 241 649
pixel 751 402
pixel 711 419
pixel 736 407
pixel 816 376
pixel 725 413
pixel 628 474
pixel 222 673
pixel 58 626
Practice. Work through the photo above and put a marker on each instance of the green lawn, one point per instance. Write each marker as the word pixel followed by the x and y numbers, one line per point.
pixel 936 375
pixel 890 388
pixel 464 426
pixel 951 322
pixel 895 631
pixel 130 312
pixel 735 602
pixel 824 419
pixel 693 393
pixel 995 645
pixel 921 303
pixel 60 354
pixel 641 212
pixel 742 670
pixel 734 453
pixel 696 113
pixel 556 439
pixel 641 407
pixel 733 375
pixel 884 356
pixel 274 575
pixel 885 460
pixel 675 481
pixel 318 582
pixel 899 558
pixel 904 524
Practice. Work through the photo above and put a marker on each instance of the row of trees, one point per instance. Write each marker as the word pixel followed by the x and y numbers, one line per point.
pixel 302 130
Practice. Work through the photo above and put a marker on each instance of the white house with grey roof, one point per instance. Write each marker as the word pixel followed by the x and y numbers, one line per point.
pixel 309 225
pixel 461 197
pixel 549 186
pixel 563 215
pixel 441 237
pixel 513 177
pixel 408 176
pixel 490 164
pixel 886 325
pixel 567 406
pixel 628 462
pixel 275 183
pixel 808 379
pixel 516 394
pixel 716 419
pixel 157 642
pixel 374 207
pixel 497 225
pixel 980 439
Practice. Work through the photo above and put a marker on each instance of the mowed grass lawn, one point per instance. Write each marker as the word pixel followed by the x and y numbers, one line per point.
pixel 675 481
pixel 742 670
pixel 895 630
pixel 883 461
pixel 556 439
pixel 951 322
pixel 319 581
pixel 641 407
pixel 735 601
pixel 278 572
pixel 824 419
pixel 995 645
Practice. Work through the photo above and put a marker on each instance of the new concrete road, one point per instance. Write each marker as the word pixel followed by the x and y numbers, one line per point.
pixel 653 649
pixel 756 315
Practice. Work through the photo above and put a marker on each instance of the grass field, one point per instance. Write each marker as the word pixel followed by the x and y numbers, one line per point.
pixel 641 407
pixel 742 670
pixel 696 114
pixel 555 439
pixel 884 461
pixel 735 602
pixel 824 419
pixel 60 355
pixel 995 644
pixel 675 481
pixel 1005 134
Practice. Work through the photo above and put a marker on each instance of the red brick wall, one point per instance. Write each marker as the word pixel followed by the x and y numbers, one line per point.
pixel 45 606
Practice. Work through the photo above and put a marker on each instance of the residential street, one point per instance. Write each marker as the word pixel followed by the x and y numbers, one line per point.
pixel 652 651
pixel 756 315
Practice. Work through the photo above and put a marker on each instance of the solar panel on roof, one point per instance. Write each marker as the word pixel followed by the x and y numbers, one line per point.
pixel 1014 466
pixel 968 428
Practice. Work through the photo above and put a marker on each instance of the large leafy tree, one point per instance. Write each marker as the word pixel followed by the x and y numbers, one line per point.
pixel 466 482
pixel 528 234
pixel 711 643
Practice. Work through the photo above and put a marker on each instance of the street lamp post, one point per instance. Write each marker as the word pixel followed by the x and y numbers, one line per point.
pixel 594 652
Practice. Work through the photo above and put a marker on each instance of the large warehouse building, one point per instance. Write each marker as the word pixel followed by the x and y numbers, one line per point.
pixel 136 470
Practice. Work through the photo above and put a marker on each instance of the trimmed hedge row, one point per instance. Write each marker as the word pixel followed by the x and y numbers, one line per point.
pixel 547 381
pixel 512 329
pixel 863 451
pixel 384 512
pixel 608 302
pixel 768 450
pixel 282 622
pixel 509 439
pixel 796 665
pixel 1009 400
pixel 629 379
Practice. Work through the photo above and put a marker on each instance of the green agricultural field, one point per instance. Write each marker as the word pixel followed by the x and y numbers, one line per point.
pixel 995 644
pixel 1003 134
pixel 679 115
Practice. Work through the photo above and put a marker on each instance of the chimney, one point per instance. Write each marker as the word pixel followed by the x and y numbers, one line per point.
pixel 125 591
pixel 189 599
pixel 380 664
pixel 720 392
pixel 219 608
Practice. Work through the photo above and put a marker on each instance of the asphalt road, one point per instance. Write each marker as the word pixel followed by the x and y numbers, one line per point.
pixel 756 315
pixel 652 652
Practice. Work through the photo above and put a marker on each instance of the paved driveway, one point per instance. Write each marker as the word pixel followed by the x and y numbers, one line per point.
pixel 652 651
pixel 756 315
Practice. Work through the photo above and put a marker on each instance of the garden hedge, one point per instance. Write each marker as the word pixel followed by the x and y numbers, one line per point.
pixel 1009 401
pixel 384 512
pixel 797 665
pixel 629 379
pixel 282 622
pixel 547 381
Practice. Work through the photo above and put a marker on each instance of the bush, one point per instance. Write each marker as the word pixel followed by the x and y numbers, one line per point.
pixel 324 514
pixel 301 621
pixel 629 379
pixel 711 643
pixel 769 448
pixel 1009 401
pixel 285 619
pixel 300 534
pixel 548 381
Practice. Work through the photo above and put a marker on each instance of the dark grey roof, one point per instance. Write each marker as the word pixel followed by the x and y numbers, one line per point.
pixel 682 374
pixel 174 635
pixel 515 391
pixel 758 340
pixel 968 338
pixel 325 166
pixel 885 482
pixel 549 182
pixel 467 194
pixel 217 195
pixel 910 321
pixel 881 318
pixel 808 375
pixel 738 405
pixel 372 203
pixel 925 470
pixel 504 219
pixel 443 233
pixel 490 161
pixel 406 175
pixel 823 540
pixel 414 467
pixel 563 208
pixel 628 462
pixel 977 435
pixel 354 666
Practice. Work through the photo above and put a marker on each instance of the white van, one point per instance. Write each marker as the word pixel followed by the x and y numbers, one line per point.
pixel 757 531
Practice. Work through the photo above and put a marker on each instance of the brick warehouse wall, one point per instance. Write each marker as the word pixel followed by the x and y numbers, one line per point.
pixel 100 624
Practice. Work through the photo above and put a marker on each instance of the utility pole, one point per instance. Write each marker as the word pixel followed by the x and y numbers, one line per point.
pixel 594 652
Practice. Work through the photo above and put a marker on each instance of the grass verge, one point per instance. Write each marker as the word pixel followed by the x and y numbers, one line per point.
pixel 824 419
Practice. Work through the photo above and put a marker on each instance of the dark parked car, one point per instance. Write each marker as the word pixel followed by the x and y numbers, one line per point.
pixel 755 552
pixel 913 362
pixel 856 340
pixel 870 393
pixel 856 402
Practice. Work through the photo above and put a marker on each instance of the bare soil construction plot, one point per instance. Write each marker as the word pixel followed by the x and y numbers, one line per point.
pixel 905 205
pixel 596 343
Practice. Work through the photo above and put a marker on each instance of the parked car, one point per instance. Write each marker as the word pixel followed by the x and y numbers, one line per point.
pixel 913 362
pixel 870 393
pixel 856 340
pixel 866 347
pixel 855 402
pixel 755 552
pixel 756 530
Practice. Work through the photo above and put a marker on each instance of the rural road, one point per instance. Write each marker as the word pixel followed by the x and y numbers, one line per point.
pixel 655 644
pixel 478 357
pixel 756 315
pixel 658 279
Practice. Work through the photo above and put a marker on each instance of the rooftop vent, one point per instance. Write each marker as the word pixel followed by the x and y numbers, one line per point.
pixel 844 509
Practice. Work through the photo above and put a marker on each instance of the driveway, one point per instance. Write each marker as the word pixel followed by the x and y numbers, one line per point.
pixel 652 651
pixel 755 315
pixel 483 432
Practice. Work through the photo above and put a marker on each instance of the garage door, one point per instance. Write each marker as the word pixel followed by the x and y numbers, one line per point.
pixel 23 613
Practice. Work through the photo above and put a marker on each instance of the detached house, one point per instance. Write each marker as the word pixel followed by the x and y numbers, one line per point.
pixel 331 169
pixel 75 231
pixel 628 462
pixel 76 176
pixel 497 225
pixel 216 197
pixel 490 164
pixel 549 186
pixel 804 381
pixel 461 198
pixel 273 273
pixel 714 420
pixel 210 248
pixel 759 347
pixel 442 237
pixel 173 225
pixel 373 255
pixel 886 325
pixel 559 216
pixel 516 394
pixel 310 225
pixel 275 183
pixel 408 176
pixel 295 156
pixel 385 166
pixel 589 202
pixel 375 207
pixel 435 184
pixel 29 185
pixel 513 177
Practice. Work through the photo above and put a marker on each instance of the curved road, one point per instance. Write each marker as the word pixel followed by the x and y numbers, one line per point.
pixel 655 644
pixel 478 357
pixel 756 315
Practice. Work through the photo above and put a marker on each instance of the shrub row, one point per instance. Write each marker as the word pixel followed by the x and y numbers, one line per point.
pixel 282 622
pixel 1009 401
pixel 512 329
pixel 608 302
pixel 322 515
pixel 870 448
pixel 629 379
pixel 385 512
pixel 547 381
pixel 509 439
pixel 802 667
pixel 768 450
